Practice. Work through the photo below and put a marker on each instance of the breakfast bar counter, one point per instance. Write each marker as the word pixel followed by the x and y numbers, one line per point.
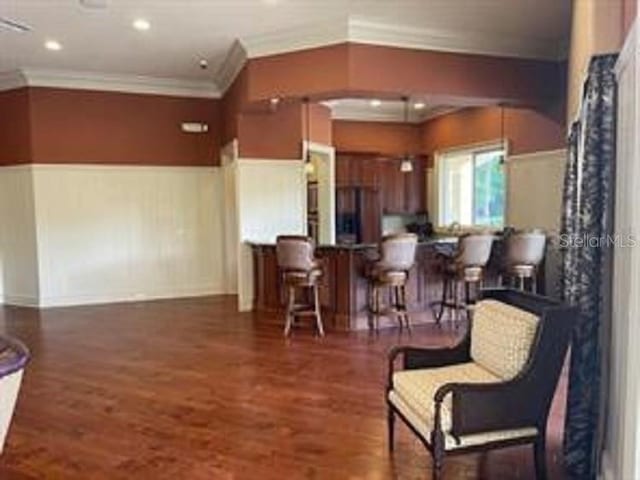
pixel 344 287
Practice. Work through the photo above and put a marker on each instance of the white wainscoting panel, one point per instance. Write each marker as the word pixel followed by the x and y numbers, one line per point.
pixel 122 233
pixel 18 243
pixel 271 199
pixel 534 189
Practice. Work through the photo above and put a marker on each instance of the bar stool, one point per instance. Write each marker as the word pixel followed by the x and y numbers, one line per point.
pixel 525 251
pixel 299 270
pixel 465 267
pixel 397 255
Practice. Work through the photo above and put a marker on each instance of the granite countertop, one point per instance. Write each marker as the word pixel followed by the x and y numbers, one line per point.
pixel 436 240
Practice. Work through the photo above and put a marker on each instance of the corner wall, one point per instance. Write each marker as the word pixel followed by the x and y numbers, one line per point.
pixel 622 446
pixel 597 27
pixel 271 201
pixel 18 237
pixel 103 198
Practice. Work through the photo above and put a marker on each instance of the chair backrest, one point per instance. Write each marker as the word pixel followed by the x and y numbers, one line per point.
pixel 526 248
pixel 535 384
pixel 501 337
pixel 474 250
pixel 398 251
pixel 295 253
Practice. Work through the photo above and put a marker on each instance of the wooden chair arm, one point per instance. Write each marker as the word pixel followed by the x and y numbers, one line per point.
pixel 417 357
pixel 486 407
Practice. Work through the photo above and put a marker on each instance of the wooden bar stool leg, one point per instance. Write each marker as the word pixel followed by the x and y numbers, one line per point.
pixel 290 307
pixel 370 305
pixel 397 304
pixel 467 298
pixel 316 307
pixel 456 302
pixel 376 290
pixel 405 308
pixel 445 287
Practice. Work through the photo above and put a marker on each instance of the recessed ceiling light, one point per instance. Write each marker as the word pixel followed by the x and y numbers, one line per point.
pixel 375 103
pixel 52 45
pixel 141 24
pixel 419 105
pixel 275 101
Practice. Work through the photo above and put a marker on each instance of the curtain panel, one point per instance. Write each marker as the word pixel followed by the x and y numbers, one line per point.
pixel 587 244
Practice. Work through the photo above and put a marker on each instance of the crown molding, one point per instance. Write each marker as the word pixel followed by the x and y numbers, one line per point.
pixel 313 35
pixel 108 83
pixel 349 29
pixel 12 80
pixel 478 43
pixel 231 67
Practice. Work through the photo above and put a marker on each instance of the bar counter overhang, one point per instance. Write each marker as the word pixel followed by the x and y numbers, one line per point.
pixel 344 286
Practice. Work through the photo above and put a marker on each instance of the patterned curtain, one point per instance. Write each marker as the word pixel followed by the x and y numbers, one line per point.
pixel 587 252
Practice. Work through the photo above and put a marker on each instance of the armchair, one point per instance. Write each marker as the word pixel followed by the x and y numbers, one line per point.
pixel 13 359
pixel 493 389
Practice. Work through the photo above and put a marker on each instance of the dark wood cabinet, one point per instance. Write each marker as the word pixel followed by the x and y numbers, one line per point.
pixel 416 187
pixel 403 192
pixel 370 185
pixel 357 170
pixel 392 187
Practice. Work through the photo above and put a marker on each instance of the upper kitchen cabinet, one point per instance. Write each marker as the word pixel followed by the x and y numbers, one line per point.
pixel 357 170
pixel 402 192
pixel 415 187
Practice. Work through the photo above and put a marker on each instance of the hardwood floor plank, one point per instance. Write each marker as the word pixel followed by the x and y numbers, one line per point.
pixel 191 389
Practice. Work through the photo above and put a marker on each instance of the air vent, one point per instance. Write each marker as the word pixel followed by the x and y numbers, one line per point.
pixel 95 4
pixel 14 25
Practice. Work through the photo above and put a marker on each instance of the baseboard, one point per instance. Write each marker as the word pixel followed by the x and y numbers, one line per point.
pixel 607 471
pixel 20 300
pixel 122 297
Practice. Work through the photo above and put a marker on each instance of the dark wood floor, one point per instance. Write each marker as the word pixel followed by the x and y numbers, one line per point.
pixel 189 389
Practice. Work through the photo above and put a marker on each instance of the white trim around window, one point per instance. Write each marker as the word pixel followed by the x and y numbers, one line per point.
pixel 438 200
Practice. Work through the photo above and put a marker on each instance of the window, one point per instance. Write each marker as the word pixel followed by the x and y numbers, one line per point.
pixel 472 187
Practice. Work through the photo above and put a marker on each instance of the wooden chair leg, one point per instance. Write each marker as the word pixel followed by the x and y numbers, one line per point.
pixel 316 307
pixel 540 457
pixel 290 306
pixel 438 462
pixel 391 423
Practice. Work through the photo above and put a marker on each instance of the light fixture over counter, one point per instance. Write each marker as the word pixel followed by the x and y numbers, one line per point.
pixel 406 166
pixel 309 168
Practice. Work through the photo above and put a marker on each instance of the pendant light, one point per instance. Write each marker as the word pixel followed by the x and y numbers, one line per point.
pixel 309 168
pixel 406 166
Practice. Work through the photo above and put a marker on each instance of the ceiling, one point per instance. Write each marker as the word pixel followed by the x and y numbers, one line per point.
pixel 419 109
pixel 185 31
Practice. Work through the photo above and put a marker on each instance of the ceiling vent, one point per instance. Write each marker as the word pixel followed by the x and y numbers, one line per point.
pixel 95 4
pixel 6 23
